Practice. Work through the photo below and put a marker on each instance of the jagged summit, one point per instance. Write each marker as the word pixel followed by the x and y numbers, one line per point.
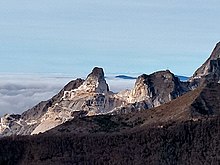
pixel 216 52
pixel 209 70
pixel 95 82
pixel 97 72
pixel 157 88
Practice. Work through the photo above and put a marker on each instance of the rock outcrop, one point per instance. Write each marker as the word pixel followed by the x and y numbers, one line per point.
pixel 157 88
pixel 209 71
pixel 151 91
pixel 77 98
pixel 91 98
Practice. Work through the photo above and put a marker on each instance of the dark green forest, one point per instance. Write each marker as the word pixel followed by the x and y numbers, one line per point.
pixel 189 142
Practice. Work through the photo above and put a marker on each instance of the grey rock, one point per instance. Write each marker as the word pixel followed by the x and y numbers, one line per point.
pixel 209 71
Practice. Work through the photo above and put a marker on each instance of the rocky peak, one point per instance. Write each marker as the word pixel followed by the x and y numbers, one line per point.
pixel 97 72
pixel 216 52
pixel 95 82
pixel 209 70
pixel 157 88
pixel 140 91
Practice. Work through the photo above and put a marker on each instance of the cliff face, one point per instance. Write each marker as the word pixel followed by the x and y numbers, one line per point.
pixel 91 98
pixel 209 71
pixel 157 88
pixel 151 91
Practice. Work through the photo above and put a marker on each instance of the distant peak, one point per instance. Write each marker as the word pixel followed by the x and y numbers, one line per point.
pixel 95 81
pixel 97 72
pixel 216 52
pixel 210 66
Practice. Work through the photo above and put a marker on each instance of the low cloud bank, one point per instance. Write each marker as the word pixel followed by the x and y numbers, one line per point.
pixel 18 93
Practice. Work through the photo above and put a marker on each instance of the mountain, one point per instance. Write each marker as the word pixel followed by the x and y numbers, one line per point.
pixel 199 104
pixel 28 120
pixel 181 131
pixel 92 97
pixel 151 91
pixel 160 121
pixel 157 88
pixel 209 71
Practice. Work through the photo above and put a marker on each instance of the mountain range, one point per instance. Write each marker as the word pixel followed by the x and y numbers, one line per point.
pixel 92 97
pixel 95 118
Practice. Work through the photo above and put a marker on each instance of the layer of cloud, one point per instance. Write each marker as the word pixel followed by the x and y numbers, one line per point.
pixel 117 84
pixel 18 93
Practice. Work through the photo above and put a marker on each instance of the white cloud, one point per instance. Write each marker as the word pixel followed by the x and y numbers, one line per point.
pixel 18 93
pixel 21 92
pixel 117 84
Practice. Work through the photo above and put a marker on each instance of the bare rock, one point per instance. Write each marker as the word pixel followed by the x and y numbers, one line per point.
pixel 209 71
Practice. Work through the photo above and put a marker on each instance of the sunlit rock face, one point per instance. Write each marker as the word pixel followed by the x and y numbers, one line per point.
pixel 95 82
pixel 78 98
pixel 91 98
pixel 156 89
pixel 26 123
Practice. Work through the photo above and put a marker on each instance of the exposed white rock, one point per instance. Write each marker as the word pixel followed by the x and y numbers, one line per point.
pixel 92 97
pixel 140 92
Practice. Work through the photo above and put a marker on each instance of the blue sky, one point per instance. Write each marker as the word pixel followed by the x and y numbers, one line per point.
pixel 122 36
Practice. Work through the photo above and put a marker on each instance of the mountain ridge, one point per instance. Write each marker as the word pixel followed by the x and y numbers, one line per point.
pixel 188 107
pixel 92 96
pixel 161 120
